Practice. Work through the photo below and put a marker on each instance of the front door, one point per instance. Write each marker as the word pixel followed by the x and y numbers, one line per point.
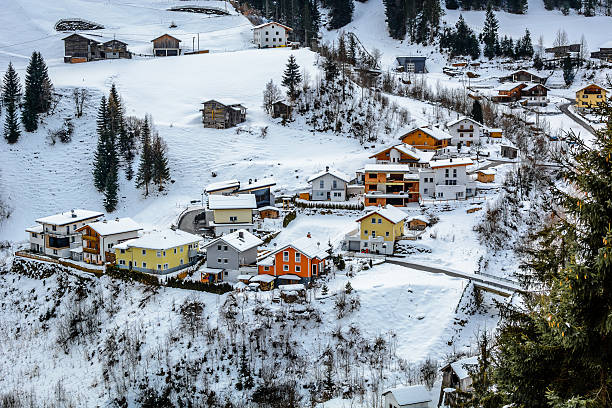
pixel 130 265
pixel 329 195
pixel 314 269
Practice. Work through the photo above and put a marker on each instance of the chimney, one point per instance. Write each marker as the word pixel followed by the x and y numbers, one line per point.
pixel 241 234
pixel 451 159
pixel 117 219
pixel 326 168
pixel 73 214
pixel 308 235
pixel 250 181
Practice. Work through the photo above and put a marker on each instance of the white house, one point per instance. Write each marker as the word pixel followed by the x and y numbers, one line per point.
pixel 328 185
pixel 271 34
pixel 416 396
pixel 57 235
pixel 100 237
pixel 465 130
pixel 229 213
pixel 446 180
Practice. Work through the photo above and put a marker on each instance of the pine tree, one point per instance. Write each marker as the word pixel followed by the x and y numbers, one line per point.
pixel 489 33
pixel 111 185
pixel 556 350
pixel 160 173
pixel 477 111
pixel 341 13
pixel 568 71
pixel 11 95
pixel 33 85
pixel 395 12
pixel 292 78
pixel 144 174
pixel 101 164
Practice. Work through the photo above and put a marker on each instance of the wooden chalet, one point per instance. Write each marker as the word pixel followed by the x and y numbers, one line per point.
pixel 90 47
pixel 114 49
pixel 166 46
pixel 221 116
pixel 417 223
pixel 281 109
pixel 604 54
pixel 523 76
pixel 509 92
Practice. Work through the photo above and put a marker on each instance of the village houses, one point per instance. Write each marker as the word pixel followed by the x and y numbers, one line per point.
pixel 84 47
pixel 229 213
pixel 271 34
pixel 378 231
pixel 226 255
pixel 465 130
pixel 329 185
pixel 414 396
pixel 158 252
pixel 100 237
pixel 427 138
pixel 446 180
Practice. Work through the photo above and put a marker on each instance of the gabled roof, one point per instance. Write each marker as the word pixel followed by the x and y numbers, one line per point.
pixel 235 202
pixel 241 240
pixel 332 172
pixel 510 86
pixel 419 155
pixel 530 87
pixel 590 85
pixel 165 35
pixel 387 168
pixel 414 394
pixel 91 37
pixel 69 217
pixel 418 218
pixel 262 278
pixel 462 367
pixel 222 185
pixel 272 22
pixel 520 71
pixel 160 239
pixel 307 246
pixel 258 184
pixel 454 122
pixel 36 229
pixel 458 161
pixel 390 213
pixel 434 132
pixel 111 227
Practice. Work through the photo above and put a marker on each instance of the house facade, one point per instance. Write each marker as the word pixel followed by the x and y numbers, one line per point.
pixel 304 258
pixel 394 184
pixel 271 34
pixel 523 76
pixel 378 231
pixel 99 238
pixel 84 47
pixel 403 154
pixel 226 255
pixel 225 187
pixel 465 130
pixel 166 46
pixel 328 185
pixel 281 109
pixel 510 92
pixel 221 116
pixel 158 252
pixel 57 235
pixel 536 94
pixel 447 180
pixel 427 138
pixel 261 189
pixel 415 396
pixel 412 64
pixel 591 96
pixel 230 213
pixel 456 376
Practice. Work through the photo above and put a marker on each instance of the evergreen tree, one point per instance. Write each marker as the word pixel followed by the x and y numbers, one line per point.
pixel 160 173
pixel 33 85
pixel 11 95
pixel 451 4
pixel 482 394
pixel 568 71
pixel 395 12
pixel 538 64
pixel 144 174
pixel 556 349
pixel 489 34
pixel 111 185
pixel 292 78
pixel 101 157
pixel 341 13
pixel 331 69
pixel 477 111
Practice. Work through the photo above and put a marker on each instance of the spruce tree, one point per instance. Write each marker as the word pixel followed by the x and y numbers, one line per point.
pixel 292 78
pixel 160 173
pixel 111 184
pixel 11 95
pixel 144 174
pixel 101 164
pixel 341 13
pixel 477 111
pixel 556 349
pixel 33 86
pixel 489 33
pixel 396 18
pixel 568 71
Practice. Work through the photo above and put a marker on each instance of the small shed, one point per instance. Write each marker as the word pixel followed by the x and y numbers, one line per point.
pixel 166 46
pixel 269 212
pixel 494 133
pixel 486 176
pixel 114 49
pixel 221 116
pixel 265 282
pixel 509 152
pixel 281 109
pixel 244 278
pixel 417 223
pixel 415 396
pixel 413 64
pixel 456 375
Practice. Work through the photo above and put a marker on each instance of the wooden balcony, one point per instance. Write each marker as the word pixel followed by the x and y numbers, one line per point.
pixel 90 250
pixel 90 238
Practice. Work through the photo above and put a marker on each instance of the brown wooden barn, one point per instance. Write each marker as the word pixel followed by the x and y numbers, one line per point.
pixel 221 116
pixel 281 109
pixel 91 47
pixel 269 212
pixel 114 49
pixel 166 46
pixel 417 223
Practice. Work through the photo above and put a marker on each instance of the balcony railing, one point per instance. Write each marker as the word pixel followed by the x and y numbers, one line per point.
pixel 90 238
pixel 90 250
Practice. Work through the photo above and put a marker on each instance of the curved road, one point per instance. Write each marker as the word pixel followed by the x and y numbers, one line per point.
pixel 565 109
pixel 187 222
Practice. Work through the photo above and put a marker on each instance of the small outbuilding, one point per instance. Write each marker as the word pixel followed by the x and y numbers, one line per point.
pixel 265 282
pixel 417 223
pixel 166 46
pixel 415 396
pixel 509 152
pixel 281 109
pixel 486 176
pixel 269 212
pixel 221 116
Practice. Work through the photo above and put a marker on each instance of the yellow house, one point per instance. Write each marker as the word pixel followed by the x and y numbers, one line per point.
pixel 158 252
pixel 590 96
pixel 425 138
pixel 231 213
pixel 486 176
pixel 380 228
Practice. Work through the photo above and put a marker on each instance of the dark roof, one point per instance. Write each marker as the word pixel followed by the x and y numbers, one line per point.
pixel 165 35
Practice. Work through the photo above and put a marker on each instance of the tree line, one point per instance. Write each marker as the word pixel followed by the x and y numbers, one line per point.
pixel 417 19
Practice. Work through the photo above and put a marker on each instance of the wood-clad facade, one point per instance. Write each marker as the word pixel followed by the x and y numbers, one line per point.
pixel 421 140
pixel 88 47
pixel 220 116
pixel 166 46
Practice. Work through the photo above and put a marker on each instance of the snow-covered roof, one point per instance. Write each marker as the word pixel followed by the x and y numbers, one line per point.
pixel 92 37
pixel 267 261
pixel 289 277
pixel 461 367
pixel 491 130
pixel 330 171
pixel 508 86
pixel 436 133
pixel 591 84
pixel 389 212
pixel 239 201
pixel 414 394
pixel 291 288
pixel 222 185
pixel 268 208
pixel 420 155
pixel 418 218
pixel 530 87
pixel 272 22
pixel 454 122
pixel 160 239
pixel 241 240
pixel 77 250
pixel 69 217
pixel 36 229
pixel 458 161
pixel 257 184
pixel 116 226
pixel 388 168
pixel 262 278
pixel 310 247
pixel 244 277
pixel 487 171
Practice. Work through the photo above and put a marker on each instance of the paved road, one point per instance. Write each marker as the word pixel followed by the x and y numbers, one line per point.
pixel 565 109
pixel 502 286
pixel 186 222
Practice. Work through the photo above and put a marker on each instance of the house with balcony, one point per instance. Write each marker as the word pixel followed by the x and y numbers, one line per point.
pixel 465 130
pixel 523 76
pixel 591 96
pixel 378 231
pixel 297 262
pixel 394 184
pixel 430 138
pixel 100 237
pixel 508 92
pixel 57 235
pixel 261 189
pixel 447 180
pixel 229 255
pixel 403 154
pixel 229 213
pixel 535 94
pixel 329 185
pixel 158 252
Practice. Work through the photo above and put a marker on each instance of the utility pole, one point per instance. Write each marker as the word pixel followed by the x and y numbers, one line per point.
pixel 198 41
pixel 192 43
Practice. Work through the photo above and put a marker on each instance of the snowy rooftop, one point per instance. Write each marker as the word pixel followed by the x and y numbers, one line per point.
pixel 414 394
pixel 420 155
pixel 272 22
pixel 389 212
pixel 160 239
pixel 92 37
pixel 436 133
pixel 402 168
pixel 461 367
pixel 257 184
pixel 310 247
pixel 116 226
pixel 262 278
pixel 289 277
pixel 222 185
pixel 290 288
pixel 487 171
pixel 69 217
pixel 419 218
pixel 240 201
pixel 37 229
pixel 240 240
pixel 332 172
pixel 454 122
pixel 508 86
pixel 458 161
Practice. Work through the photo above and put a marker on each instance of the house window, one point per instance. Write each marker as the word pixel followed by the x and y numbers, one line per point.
pixel 159 267
pixel 55 252
pixel 387 233
pixel 373 234
pixel 159 254
pixel 286 268
pixel 175 250
pixel 233 218
pixel 54 228
pixel 224 260
pixel 372 175
pixel 218 260
pixel 334 184
pixel 371 201
pixel 286 256
pixel 72 239
pixel 144 251
pixel 425 191
pixel 454 172
pixel 373 220
pixel 365 232
pixel 110 246
pixel 144 264
pixel 266 268
pixel 321 184
pixel 365 244
pixel 135 263
pixel 440 195
pixel 225 247
pixel 34 235
pixel 298 269
pixel 298 257
pixel 122 251
pixel 182 248
pixel 380 220
pixel 165 266
pixel 121 262
pixel 446 173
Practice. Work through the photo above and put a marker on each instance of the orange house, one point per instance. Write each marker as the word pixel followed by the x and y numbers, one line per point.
pixel 393 184
pixel 425 138
pixel 403 154
pixel 300 261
